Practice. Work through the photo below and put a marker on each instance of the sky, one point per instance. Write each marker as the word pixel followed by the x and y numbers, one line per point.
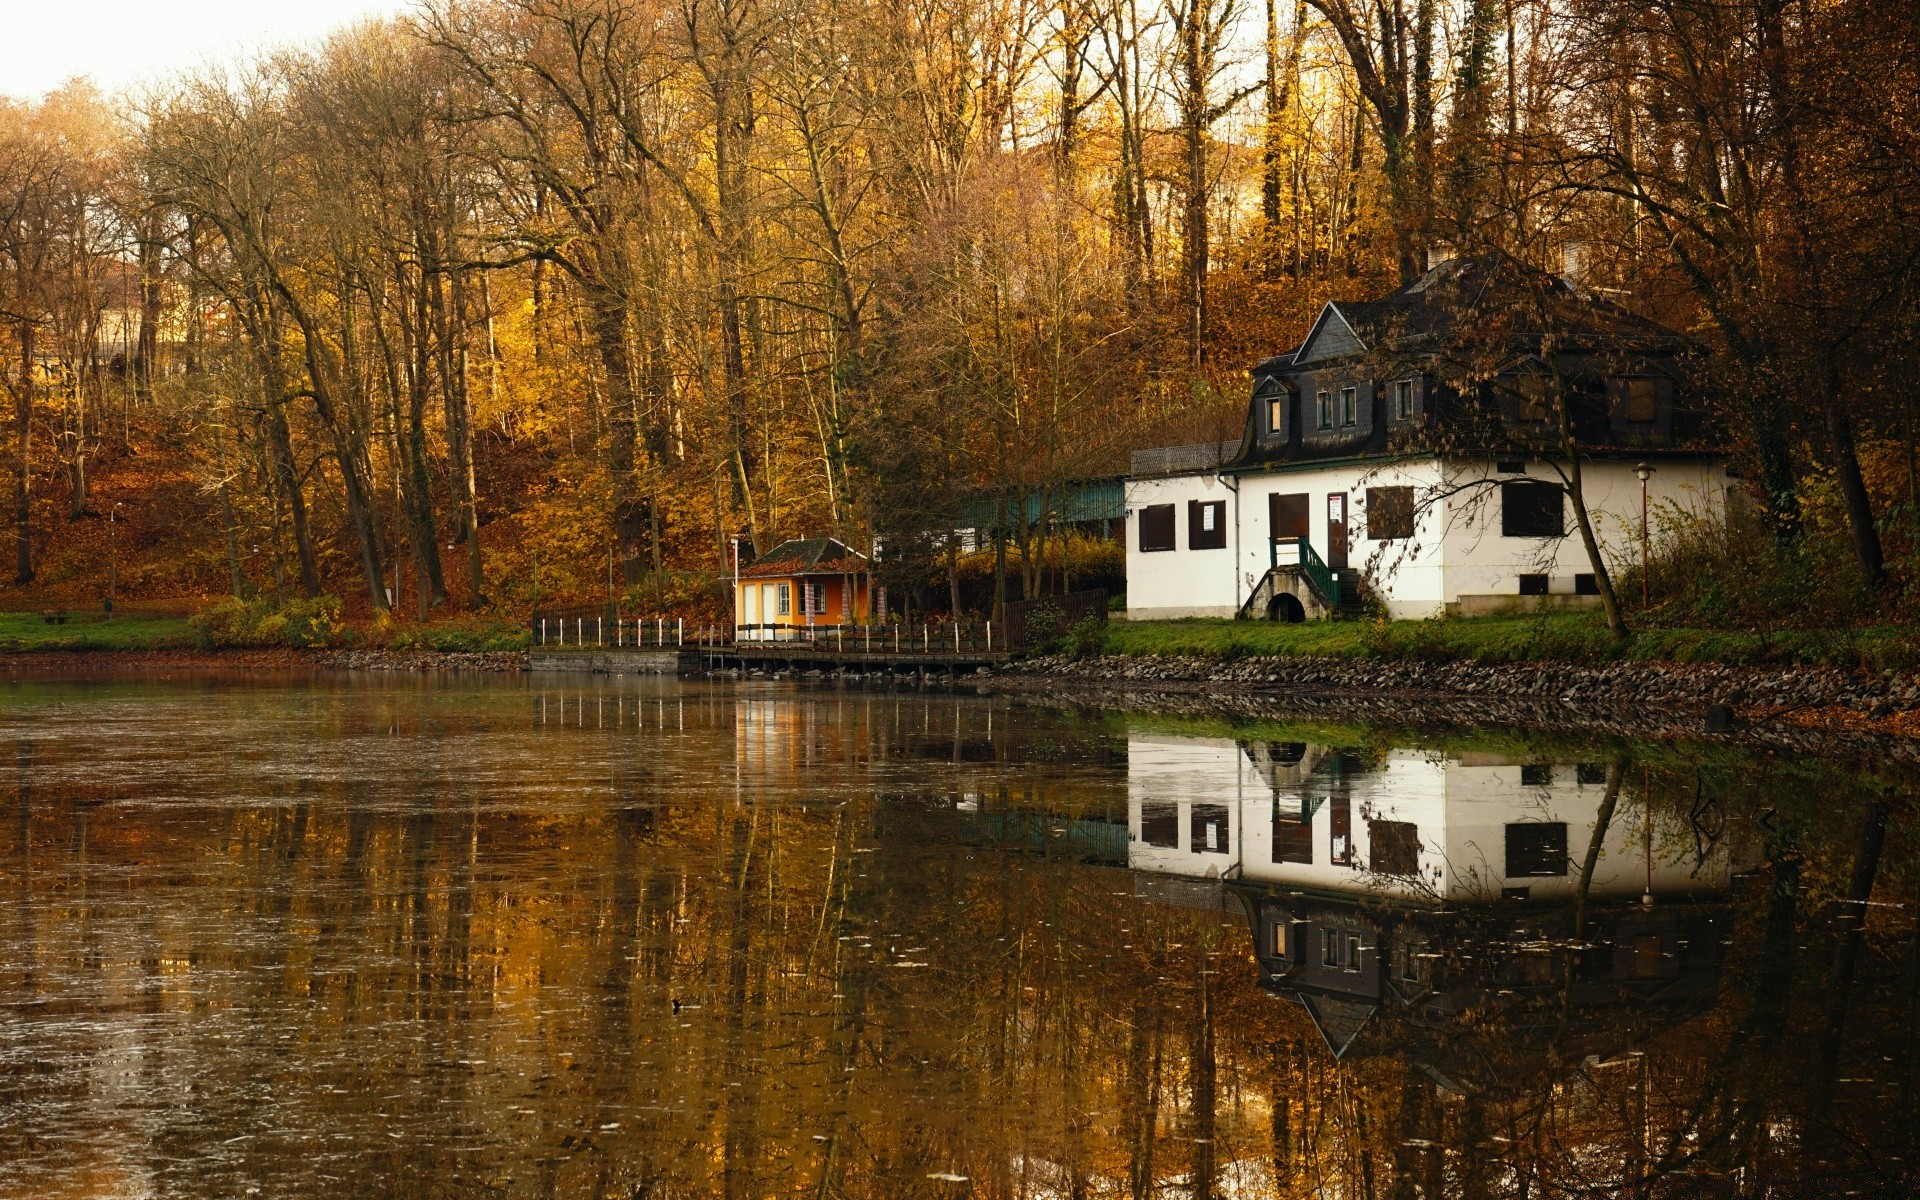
pixel 123 43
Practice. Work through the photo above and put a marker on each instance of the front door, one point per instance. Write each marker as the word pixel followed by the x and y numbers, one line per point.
pixel 1337 530
pixel 1287 515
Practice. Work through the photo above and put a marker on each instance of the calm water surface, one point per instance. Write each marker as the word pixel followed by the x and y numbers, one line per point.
pixel 331 936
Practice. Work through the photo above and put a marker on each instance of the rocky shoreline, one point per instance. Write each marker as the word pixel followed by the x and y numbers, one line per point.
pixel 1800 707
pixel 95 661
pixel 1670 699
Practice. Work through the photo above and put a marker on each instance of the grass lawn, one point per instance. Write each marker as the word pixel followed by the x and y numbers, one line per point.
pixel 28 631
pixel 1567 637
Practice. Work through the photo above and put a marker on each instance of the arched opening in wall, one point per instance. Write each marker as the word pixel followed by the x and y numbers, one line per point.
pixel 1286 608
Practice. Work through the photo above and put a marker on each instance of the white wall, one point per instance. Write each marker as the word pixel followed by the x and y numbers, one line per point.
pixel 1181 582
pixel 1457 547
pixel 1460 805
pixel 1409 571
pixel 1480 561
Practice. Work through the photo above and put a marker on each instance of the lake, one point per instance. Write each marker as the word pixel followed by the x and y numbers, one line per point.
pixel 331 935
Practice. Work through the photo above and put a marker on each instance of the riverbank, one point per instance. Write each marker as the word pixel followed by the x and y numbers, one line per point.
pixel 1579 637
pixel 1630 697
pixel 54 661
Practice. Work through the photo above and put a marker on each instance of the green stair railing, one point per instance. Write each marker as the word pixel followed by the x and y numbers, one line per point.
pixel 1311 564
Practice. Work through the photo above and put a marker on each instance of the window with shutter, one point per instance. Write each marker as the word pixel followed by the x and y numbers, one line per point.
pixel 1390 513
pixel 1531 509
pixel 1206 524
pixel 1536 849
pixel 1156 527
pixel 1643 400
pixel 1160 824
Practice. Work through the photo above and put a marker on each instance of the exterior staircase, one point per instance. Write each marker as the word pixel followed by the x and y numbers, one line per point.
pixel 1299 586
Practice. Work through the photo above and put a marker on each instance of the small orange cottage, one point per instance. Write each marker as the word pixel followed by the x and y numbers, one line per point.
pixel 801 584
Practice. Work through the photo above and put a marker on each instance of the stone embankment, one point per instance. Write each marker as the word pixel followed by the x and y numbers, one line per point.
pixel 1637 695
pixel 81 661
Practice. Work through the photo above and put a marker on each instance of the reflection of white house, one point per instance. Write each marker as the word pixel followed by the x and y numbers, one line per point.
pixel 1371 451
pixel 1413 825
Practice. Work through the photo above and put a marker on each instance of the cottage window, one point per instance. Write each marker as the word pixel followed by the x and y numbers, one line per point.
pixel 1339 950
pixel 1390 513
pixel 783 600
pixel 1323 403
pixel 1530 509
pixel 1410 963
pixel 1209 831
pixel 1395 846
pixel 1160 825
pixel 1349 405
pixel 1641 956
pixel 1206 524
pixel 1536 849
pixel 1533 397
pixel 1403 399
pixel 1292 835
pixel 1156 528
pixel 1642 396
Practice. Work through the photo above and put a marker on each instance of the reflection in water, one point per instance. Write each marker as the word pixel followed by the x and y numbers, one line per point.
pixel 498 937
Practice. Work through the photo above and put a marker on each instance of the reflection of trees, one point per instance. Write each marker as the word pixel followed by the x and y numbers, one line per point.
pixel 413 971
pixel 1742 1097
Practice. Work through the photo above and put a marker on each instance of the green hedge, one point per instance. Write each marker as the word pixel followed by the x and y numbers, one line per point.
pixel 1559 637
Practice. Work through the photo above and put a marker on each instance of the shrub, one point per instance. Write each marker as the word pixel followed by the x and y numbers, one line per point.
pixel 462 635
pixel 297 623
pixel 1088 639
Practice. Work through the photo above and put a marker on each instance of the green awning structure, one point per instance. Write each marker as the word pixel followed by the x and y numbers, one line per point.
pixel 1069 503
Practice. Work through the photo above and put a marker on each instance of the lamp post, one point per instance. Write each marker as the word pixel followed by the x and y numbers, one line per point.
pixel 113 553
pixel 735 598
pixel 1642 471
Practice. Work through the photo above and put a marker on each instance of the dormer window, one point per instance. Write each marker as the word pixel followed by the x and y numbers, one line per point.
pixel 1643 400
pixel 1533 398
pixel 1276 416
pixel 1324 406
pixel 1349 406
pixel 1403 400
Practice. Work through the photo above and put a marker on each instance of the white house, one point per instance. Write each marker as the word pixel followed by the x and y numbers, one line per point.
pixel 1414 826
pixel 1412 446
pixel 1416 903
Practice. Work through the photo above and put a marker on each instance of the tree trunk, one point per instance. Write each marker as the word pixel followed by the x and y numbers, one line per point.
pixel 145 364
pixel 459 415
pixel 23 465
pixel 1193 132
pixel 280 443
pixel 349 452
pixel 610 339
pixel 1853 487
pixel 422 528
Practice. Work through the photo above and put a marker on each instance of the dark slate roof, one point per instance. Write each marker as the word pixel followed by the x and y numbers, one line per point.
pixel 1488 292
pixel 806 556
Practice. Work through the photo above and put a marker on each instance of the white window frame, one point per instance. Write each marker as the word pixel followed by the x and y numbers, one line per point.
pixel 1349 407
pixel 783 599
pixel 1325 413
pixel 1403 399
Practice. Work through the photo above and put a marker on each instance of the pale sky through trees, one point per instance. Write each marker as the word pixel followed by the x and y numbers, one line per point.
pixel 123 42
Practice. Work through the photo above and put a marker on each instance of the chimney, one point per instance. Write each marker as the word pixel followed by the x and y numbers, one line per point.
pixel 1573 264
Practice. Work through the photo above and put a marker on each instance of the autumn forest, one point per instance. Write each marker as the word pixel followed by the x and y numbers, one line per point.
pixel 511 299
